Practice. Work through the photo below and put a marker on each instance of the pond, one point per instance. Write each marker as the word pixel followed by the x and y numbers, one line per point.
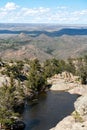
pixel 46 111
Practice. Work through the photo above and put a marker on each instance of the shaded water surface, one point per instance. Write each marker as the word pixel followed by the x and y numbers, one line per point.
pixel 48 110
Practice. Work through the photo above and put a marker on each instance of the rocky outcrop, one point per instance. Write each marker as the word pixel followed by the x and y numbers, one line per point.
pixel 79 126
pixel 78 119
pixel 61 85
pixel 64 81
pixel 65 124
pixel 67 82
pixel 66 76
pixel 81 106
pixel 79 89
pixel 69 123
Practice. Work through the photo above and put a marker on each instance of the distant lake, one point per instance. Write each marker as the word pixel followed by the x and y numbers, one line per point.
pixel 48 110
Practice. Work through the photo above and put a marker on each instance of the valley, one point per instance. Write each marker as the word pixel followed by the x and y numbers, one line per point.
pixel 42 41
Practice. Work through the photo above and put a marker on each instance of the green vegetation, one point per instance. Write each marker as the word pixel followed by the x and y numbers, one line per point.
pixel 36 80
pixel 82 69
pixel 7 98
pixel 61 47
pixel 77 116
pixel 53 66
pixel 31 76
pixel 70 66
pixel 22 78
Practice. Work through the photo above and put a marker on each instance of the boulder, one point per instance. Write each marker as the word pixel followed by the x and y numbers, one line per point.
pixel 80 90
pixel 65 124
pixel 68 123
pixel 61 85
pixel 80 126
pixel 64 81
pixel 81 105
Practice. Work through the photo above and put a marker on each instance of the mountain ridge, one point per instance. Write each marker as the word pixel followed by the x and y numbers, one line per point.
pixel 42 42
pixel 64 31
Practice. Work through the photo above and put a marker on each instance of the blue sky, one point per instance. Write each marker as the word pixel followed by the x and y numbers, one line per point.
pixel 43 11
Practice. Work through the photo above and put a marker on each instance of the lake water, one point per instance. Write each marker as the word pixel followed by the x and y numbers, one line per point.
pixel 48 110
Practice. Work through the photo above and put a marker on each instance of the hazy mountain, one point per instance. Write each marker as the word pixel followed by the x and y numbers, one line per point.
pixel 65 31
pixel 43 42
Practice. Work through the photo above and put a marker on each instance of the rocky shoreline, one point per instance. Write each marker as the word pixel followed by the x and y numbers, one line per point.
pixel 69 83
pixel 61 82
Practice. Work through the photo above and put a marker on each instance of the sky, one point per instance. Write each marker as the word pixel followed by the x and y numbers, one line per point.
pixel 43 11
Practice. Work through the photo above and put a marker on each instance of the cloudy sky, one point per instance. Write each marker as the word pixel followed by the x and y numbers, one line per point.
pixel 43 11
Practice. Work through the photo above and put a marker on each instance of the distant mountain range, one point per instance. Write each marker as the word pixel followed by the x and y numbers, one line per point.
pixel 65 31
pixel 42 41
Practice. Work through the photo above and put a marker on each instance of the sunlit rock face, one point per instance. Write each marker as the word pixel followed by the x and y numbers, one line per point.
pixel 81 105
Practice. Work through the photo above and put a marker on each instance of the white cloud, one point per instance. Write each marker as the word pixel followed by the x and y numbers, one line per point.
pixel 14 13
pixel 33 11
pixel 79 13
pixel 9 6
